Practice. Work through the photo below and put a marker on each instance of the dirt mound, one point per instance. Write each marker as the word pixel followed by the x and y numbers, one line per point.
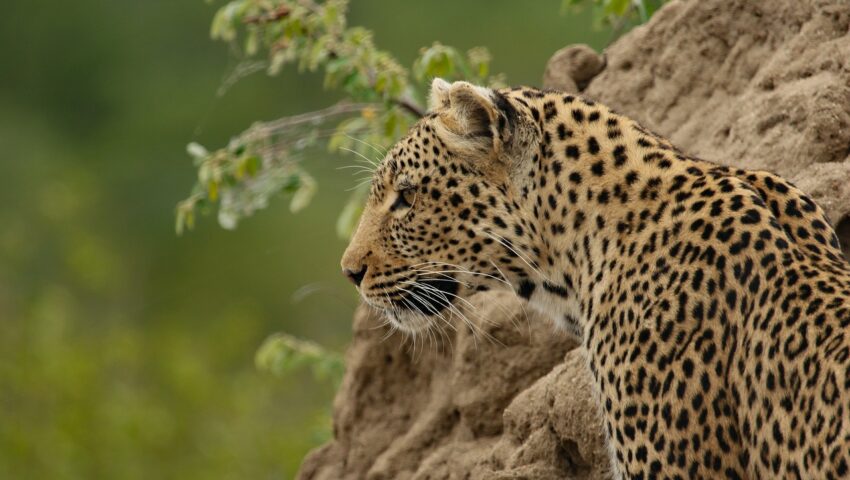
pixel 757 84
pixel 460 402
pixel 764 85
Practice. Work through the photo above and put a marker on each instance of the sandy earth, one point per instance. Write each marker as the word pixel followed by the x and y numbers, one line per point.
pixel 733 81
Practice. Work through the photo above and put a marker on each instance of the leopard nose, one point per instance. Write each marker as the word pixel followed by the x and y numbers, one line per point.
pixel 355 277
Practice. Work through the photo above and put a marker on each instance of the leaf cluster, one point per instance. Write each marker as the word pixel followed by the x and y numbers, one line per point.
pixel 382 100
pixel 283 354
pixel 618 15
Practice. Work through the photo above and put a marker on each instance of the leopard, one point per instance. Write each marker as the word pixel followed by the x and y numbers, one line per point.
pixel 712 302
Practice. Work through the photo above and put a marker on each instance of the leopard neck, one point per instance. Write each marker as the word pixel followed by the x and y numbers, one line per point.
pixel 597 191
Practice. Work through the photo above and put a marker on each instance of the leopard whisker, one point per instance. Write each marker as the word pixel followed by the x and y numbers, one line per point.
pixel 460 269
pixel 434 289
pixel 443 300
pixel 442 274
pixel 420 298
pixel 373 147
pixel 357 186
pixel 444 320
pixel 428 325
pixel 473 327
pixel 521 304
pixel 505 243
pixel 364 157
pixel 393 327
pixel 501 307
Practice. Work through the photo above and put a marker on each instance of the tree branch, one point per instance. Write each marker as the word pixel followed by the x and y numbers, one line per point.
pixel 281 12
pixel 410 107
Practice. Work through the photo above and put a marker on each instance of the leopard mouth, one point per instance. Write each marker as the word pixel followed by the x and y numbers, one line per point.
pixel 428 296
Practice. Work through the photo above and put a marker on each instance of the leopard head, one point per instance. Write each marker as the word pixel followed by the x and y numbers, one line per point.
pixel 443 218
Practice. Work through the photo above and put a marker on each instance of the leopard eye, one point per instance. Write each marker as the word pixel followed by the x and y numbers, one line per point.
pixel 405 198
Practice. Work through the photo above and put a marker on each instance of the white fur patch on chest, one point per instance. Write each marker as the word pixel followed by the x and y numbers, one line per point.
pixel 565 312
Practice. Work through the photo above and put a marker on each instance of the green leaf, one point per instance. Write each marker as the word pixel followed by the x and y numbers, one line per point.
pixel 303 194
pixel 479 61
pixel 292 183
pixel 196 150
pixel 251 165
pixel 180 222
pixel 350 215
pixel 252 42
pixel 282 354
pixel 212 190
pixel 247 165
pixel 226 19
pixel 617 7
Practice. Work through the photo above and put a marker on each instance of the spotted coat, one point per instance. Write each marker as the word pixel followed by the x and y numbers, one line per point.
pixel 712 302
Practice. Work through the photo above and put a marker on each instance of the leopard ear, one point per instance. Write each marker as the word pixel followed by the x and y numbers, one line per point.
pixel 474 108
pixel 482 117
pixel 439 98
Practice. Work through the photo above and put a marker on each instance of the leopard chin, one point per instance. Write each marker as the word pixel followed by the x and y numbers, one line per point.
pixel 408 321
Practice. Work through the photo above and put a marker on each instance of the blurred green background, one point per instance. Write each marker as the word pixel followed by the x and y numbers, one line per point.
pixel 126 351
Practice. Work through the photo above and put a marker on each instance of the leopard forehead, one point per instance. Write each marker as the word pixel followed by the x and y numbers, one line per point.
pixel 418 154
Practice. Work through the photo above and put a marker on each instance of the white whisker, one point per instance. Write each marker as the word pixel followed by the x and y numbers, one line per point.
pixel 373 147
pixel 507 244
pixel 364 157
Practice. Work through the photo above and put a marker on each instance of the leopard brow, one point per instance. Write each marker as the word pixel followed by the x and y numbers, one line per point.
pixel 406 182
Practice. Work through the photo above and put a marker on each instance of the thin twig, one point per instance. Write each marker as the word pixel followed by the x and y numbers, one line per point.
pixel 281 12
pixel 410 107
pixel 405 103
pixel 317 116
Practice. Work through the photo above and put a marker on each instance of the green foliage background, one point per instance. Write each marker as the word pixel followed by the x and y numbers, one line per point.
pixel 125 351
